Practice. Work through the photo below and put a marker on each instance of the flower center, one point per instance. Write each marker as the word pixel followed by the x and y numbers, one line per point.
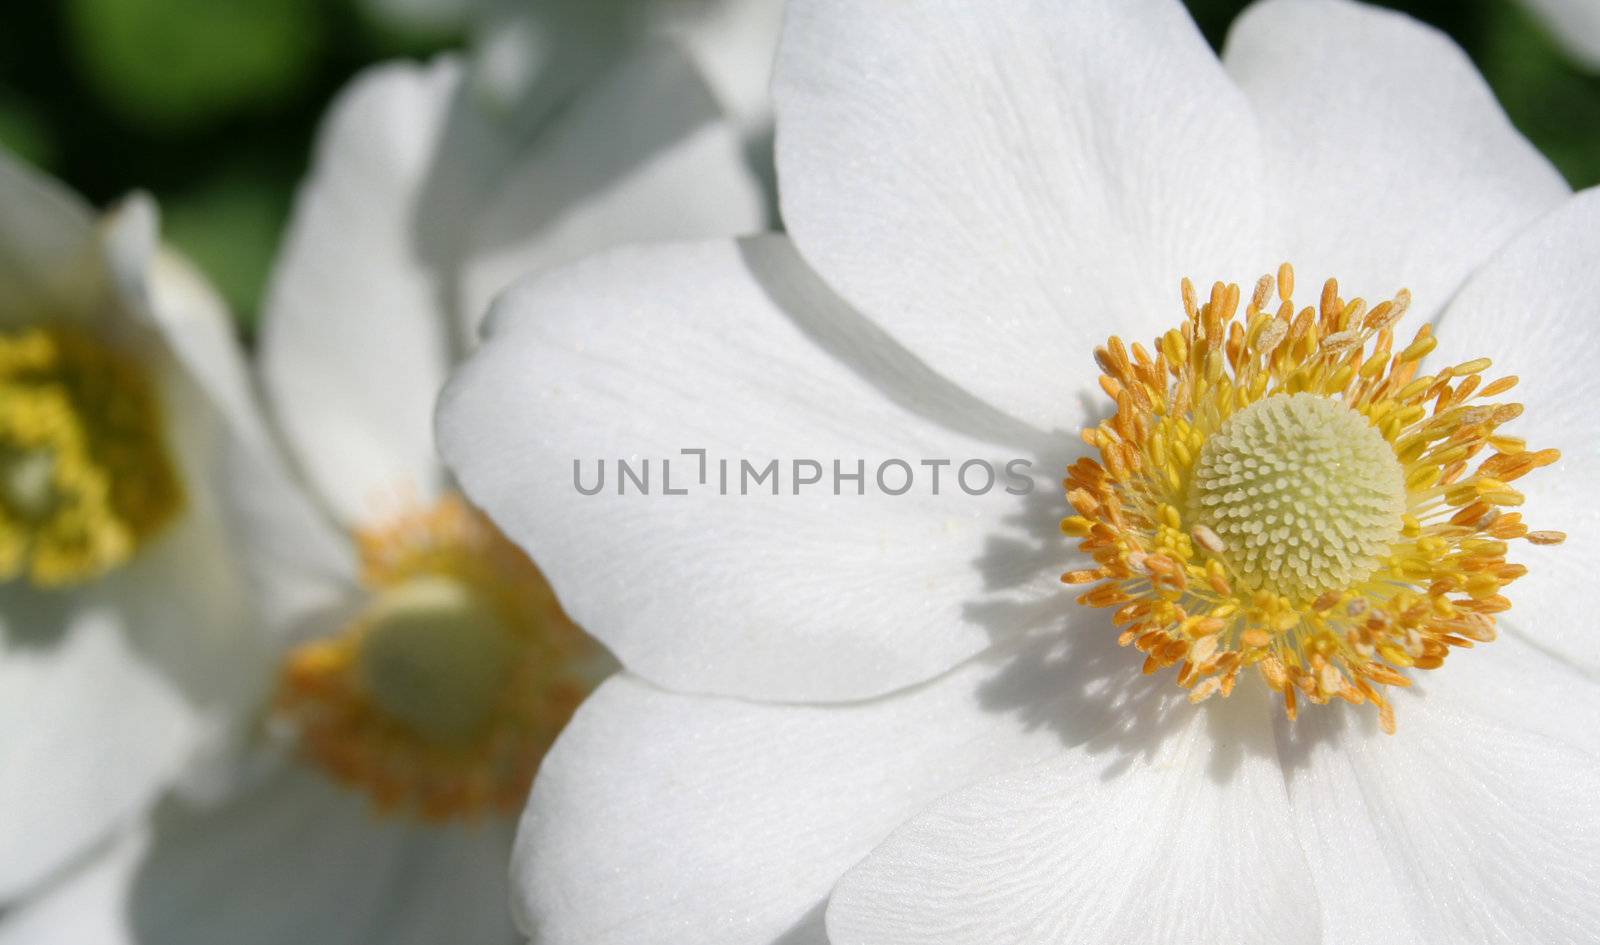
pixel 435 656
pixel 441 696
pixel 1282 490
pixel 1303 492
pixel 85 474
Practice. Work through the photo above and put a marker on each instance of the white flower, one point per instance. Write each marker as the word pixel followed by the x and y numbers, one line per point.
pixel 905 728
pixel 425 206
pixel 420 665
pixel 121 609
pixel 1574 25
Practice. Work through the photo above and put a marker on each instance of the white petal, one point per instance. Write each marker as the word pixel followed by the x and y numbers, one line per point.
pixel 733 42
pixel 46 238
pixel 199 330
pixel 130 236
pixel 354 338
pixel 94 729
pixel 738 350
pixel 280 551
pixel 1189 844
pixel 1514 681
pixel 186 594
pixel 246 524
pixel 646 156
pixel 1575 25
pixel 294 563
pixel 289 553
pixel 531 59
pixel 1391 163
pixel 663 818
pixel 86 907
pixel 1475 823
pixel 296 858
pixel 1535 309
pixel 1001 192
pixel 161 296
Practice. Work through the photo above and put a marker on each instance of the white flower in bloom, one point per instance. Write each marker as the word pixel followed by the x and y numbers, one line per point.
pixel 1575 25
pixel 884 714
pixel 422 665
pixel 121 390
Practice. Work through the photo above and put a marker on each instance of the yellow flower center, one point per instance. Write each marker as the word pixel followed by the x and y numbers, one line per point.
pixel 1279 489
pixel 85 475
pixel 439 698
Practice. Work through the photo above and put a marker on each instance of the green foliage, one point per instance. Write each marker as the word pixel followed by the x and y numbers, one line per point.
pixel 176 62
pixel 210 105
pixel 1555 105
pixel 23 132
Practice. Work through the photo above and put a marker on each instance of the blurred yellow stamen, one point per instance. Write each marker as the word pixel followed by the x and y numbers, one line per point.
pixel 85 475
pixel 1278 489
pixel 442 695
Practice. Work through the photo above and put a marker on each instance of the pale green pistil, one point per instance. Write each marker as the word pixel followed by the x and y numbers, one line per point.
pixel 434 656
pixel 1306 495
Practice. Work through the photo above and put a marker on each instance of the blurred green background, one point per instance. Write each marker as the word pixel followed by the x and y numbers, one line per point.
pixel 212 104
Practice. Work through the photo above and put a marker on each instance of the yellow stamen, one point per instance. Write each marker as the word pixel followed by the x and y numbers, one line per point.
pixel 86 478
pixel 1290 493
pixel 441 696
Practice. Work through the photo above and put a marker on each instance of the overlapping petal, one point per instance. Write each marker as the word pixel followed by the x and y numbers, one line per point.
pixel 1535 309
pixel 354 343
pixel 537 57
pixel 663 818
pixel 94 730
pixel 1473 824
pixel 732 42
pixel 646 155
pixel 87 906
pixel 1389 162
pixel 738 350
pixel 1188 844
pixel 1002 188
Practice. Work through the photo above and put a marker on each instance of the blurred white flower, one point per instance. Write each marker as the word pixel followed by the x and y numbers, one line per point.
pixel 422 662
pixel 121 610
pixel 884 715
pixel 538 53
pixel 1574 25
